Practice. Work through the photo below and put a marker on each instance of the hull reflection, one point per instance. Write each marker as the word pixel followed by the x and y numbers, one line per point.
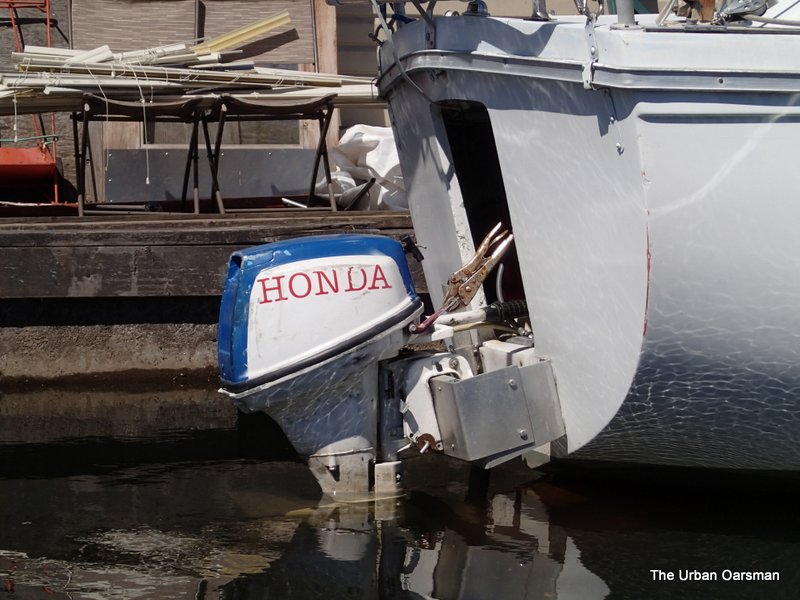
pixel 427 547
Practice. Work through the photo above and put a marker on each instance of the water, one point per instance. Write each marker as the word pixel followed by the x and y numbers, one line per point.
pixel 200 509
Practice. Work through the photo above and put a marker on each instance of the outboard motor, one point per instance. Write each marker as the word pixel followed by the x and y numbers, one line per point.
pixel 310 332
pixel 303 326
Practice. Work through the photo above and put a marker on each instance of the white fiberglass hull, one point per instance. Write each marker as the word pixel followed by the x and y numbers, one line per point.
pixel 655 218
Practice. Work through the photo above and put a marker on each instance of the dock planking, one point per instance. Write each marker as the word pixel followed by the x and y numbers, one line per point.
pixel 157 255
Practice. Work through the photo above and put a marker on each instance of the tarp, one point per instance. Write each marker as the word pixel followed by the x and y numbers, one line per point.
pixel 366 152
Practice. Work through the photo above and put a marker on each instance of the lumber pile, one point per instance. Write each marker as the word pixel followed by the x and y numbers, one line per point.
pixel 55 79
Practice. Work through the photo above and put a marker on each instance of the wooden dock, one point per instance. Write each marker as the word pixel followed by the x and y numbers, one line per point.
pixel 153 254
pixel 119 293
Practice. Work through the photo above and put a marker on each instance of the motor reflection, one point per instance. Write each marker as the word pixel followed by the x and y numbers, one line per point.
pixel 426 547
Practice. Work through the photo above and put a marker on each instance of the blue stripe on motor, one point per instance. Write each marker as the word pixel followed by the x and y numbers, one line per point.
pixel 245 265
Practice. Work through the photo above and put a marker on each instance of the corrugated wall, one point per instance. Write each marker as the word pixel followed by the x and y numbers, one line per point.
pixel 357 55
pixel 291 44
pixel 132 24
pixel 136 24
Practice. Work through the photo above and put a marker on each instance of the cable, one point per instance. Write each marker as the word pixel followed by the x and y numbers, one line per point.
pixel 395 56
pixel 144 128
pixel 14 102
pixel 498 283
pixel 106 127
pixel 506 311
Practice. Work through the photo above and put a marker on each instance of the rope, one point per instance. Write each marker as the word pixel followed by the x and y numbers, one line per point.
pixel 105 128
pixel 144 128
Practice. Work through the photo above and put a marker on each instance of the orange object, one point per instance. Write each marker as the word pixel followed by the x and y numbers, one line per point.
pixel 29 169
pixel 24 166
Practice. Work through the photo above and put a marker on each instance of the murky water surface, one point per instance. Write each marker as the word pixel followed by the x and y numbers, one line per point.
pixel 186 505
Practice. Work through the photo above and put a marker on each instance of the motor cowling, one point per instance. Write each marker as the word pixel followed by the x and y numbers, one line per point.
pixel 296 303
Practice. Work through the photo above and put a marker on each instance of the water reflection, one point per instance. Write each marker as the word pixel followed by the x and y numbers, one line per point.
pixel 240 529
pixel 424 547
pixel 176 514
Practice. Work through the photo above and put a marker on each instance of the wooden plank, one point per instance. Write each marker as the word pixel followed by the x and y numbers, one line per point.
pixel 97 140
pixel 208 224
pixel 122 136
pixel 105 137
pixel 325 37
pixel 239 237
pixel 62 272
pixel 239 36
pixel 209 218
pixel 325 61
pixel 156 255
pixel 707 8
pixel 116 271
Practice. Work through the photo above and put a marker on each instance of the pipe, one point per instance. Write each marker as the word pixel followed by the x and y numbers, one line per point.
pixel 771 21
pixel 625 13
pixel 540 11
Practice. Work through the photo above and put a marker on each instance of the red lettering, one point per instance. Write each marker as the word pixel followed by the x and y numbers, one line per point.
pixel 276 287
pixel 378 275
pixel 321 283
pixel 292 289
pixel 350 286
pixel 333 285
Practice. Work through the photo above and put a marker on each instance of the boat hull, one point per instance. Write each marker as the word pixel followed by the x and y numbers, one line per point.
pixel 654 225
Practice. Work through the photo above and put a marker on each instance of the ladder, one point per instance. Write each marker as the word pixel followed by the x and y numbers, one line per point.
pixel 25 165
pixel 14 5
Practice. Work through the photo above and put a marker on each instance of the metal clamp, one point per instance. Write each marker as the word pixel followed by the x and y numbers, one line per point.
pixel 464 283
pixel 588 66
